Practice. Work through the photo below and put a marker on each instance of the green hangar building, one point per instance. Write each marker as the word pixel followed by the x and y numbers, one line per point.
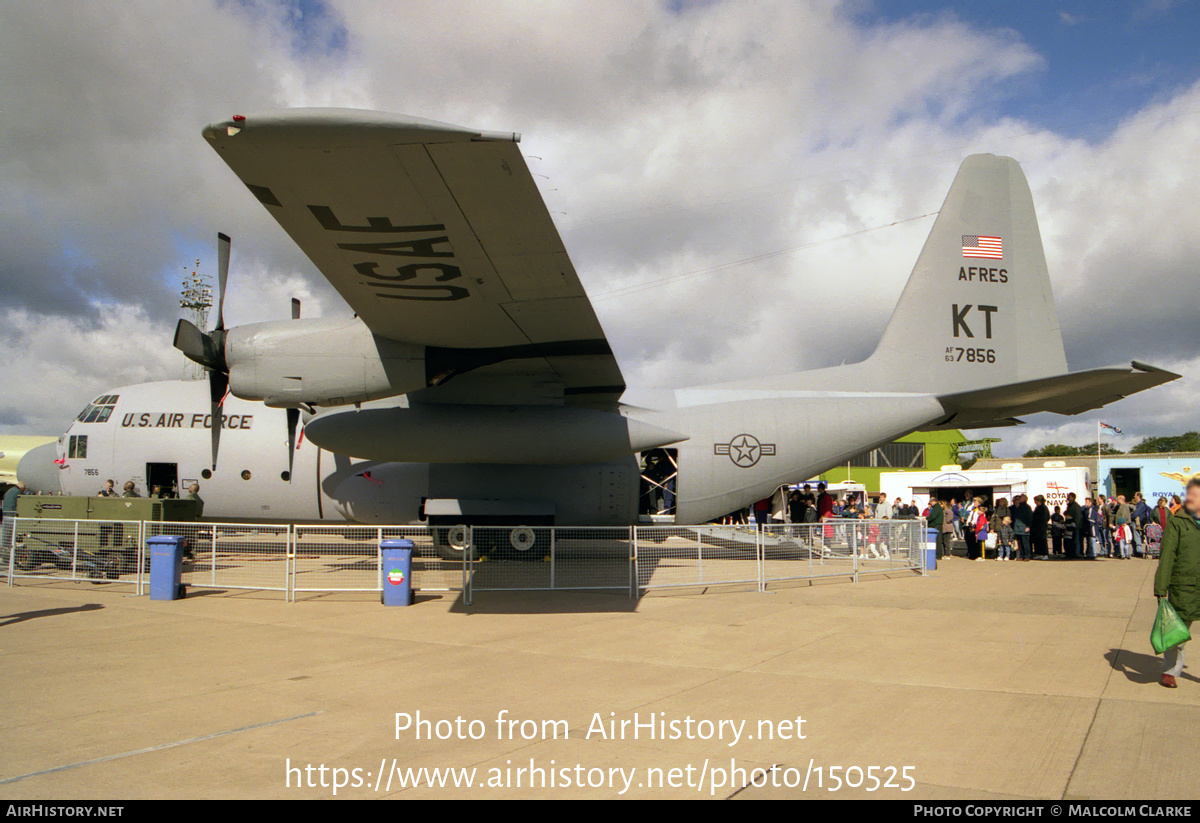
pixel 914 452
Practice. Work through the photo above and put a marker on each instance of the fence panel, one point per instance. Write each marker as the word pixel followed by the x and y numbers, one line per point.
pixel 680 556
pixel 841 548
pixel 437 563
pixel 100 551
pixel 7 533
pixel 345 558
pixel 232 555
pixel 544 558
pixel 335 558
pixel 592 558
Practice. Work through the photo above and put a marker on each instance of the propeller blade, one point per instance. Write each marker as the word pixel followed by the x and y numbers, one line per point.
pixel 223 246
pixel 218 384
pixel 196 345
pixel 293 418
pixel 295 308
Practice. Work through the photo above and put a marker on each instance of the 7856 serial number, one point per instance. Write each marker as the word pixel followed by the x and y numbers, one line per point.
pixel 957 354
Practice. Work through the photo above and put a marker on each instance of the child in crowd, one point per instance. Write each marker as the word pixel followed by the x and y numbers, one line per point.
pixel 1124 540
pixel 1004 539
pixel 877 540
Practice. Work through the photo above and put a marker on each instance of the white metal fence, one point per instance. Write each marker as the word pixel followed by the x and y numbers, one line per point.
pixel 550 558
pixel 232 555
pixel 109 552
pixel 841 548
pixel 307 560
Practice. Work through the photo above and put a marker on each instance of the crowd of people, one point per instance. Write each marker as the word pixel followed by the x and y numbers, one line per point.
pixel 1024 529
pixel 806 505
pixel 1030 528
pixel 1021 530
pixel 156 492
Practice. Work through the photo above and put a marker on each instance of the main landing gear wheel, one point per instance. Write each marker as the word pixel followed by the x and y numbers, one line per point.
pixel 518 542
pixel 452 542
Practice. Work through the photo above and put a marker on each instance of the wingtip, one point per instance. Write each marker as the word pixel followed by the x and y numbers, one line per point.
pixel 1149 369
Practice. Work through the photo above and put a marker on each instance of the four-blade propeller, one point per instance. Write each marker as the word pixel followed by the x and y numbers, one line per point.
pixel 208 349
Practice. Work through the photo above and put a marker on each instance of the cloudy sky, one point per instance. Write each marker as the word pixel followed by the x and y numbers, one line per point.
pixel 743 186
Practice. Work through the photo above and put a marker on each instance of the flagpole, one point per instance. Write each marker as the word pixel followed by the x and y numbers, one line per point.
pixel 1097 458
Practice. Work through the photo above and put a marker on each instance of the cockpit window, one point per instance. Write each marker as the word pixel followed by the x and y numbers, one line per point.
pixel 77 446
pixel 100 410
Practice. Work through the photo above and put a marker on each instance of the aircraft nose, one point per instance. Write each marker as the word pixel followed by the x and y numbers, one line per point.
pixel 39 471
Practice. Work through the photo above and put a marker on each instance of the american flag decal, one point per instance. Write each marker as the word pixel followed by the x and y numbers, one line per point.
pixel 979 245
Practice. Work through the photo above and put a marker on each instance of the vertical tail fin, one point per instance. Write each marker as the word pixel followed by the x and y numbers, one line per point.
pixel 978 309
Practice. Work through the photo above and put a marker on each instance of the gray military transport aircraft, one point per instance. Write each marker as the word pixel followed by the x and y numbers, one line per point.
pixel 475 384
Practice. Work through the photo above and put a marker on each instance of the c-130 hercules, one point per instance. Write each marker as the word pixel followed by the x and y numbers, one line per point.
pixel 475 385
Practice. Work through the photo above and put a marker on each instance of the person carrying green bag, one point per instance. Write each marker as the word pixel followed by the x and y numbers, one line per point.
pixel 1178 576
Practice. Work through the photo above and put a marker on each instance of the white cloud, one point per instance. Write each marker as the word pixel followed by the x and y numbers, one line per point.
pixel 56 365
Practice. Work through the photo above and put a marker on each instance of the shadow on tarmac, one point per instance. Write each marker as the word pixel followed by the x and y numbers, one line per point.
pixel 546 602
pixel 21 617
pixel 1138 667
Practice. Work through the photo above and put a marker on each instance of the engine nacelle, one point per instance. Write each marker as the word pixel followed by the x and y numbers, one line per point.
pixel 322 362
pixel 433 433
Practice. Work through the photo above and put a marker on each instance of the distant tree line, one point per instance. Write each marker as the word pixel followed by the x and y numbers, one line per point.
pixel 1188 442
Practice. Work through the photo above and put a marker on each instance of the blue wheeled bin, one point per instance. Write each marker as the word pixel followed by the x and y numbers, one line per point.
pixel 397 572
pixel 166 567
pixel 931 537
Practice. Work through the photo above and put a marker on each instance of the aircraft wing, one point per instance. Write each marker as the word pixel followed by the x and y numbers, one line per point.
pixel 1072 393
pixel 435 235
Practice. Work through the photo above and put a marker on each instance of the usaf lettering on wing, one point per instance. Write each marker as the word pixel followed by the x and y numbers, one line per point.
pixel 431 254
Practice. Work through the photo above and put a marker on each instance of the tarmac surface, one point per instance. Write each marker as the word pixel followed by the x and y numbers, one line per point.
pixel 988 680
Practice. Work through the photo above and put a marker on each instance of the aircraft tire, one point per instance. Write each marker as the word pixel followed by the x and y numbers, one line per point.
pixel 448 543
pixel 522 543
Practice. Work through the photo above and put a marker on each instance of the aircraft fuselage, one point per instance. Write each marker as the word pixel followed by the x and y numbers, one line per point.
pixel 739 448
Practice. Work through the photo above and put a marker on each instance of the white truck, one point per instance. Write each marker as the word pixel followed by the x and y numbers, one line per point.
pixel 1053 479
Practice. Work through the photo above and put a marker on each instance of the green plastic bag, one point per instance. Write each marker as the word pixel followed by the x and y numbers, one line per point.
pixel 1168 629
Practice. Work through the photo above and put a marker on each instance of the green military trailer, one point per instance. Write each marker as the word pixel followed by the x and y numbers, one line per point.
pixel 95 535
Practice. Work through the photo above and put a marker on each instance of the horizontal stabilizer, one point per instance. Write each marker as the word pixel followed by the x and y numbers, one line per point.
pixel 1073 393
